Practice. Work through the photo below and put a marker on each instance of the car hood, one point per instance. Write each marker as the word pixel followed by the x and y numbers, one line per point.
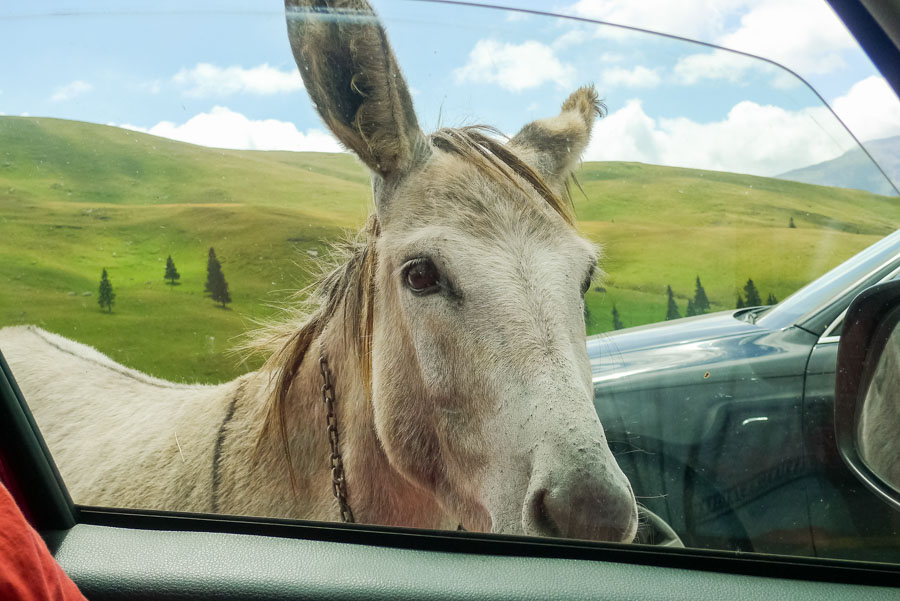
pixel 656 345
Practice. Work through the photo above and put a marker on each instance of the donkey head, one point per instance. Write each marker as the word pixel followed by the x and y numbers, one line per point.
pixel 481 388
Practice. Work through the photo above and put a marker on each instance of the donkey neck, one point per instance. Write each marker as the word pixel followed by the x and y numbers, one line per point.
pixel 376 492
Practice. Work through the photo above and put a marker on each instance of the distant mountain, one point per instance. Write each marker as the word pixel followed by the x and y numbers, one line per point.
pixel 853 169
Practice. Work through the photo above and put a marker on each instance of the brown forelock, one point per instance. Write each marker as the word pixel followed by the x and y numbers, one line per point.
pixel 480 146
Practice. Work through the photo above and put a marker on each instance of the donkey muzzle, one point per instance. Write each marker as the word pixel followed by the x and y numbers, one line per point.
pixel 599 505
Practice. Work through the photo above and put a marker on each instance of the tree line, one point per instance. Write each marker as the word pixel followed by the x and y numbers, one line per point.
pixel 700 303
pixel 216 286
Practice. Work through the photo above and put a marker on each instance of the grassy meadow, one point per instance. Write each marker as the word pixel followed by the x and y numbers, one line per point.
pixel 76 198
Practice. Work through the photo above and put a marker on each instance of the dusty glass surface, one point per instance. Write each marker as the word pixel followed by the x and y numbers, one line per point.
pixel 172 186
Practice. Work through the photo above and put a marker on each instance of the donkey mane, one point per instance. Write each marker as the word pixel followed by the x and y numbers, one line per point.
pixel 346 281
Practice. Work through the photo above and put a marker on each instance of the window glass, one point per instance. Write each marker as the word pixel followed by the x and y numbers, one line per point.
pixel 195 329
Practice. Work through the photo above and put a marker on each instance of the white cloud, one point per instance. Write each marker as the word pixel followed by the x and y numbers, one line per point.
pixel 699 19
pixel 803 35
pixel 71 90
pixel 869 109
pixel 514 67
pixel 514 16
pixel 153 87
pixel 639 77
pixel 573 37
pixel 224 128
pixel 752 138
pixel 728 66
pixel 611 57
pixel 718 64
pixel 205 80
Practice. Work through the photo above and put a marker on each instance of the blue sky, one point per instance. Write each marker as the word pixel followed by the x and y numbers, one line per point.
pixel 221 74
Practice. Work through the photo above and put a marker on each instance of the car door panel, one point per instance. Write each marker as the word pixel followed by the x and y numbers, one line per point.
pixel 846 520
pixel 714 444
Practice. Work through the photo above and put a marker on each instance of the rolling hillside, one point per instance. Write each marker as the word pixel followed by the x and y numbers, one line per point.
pixel 76 198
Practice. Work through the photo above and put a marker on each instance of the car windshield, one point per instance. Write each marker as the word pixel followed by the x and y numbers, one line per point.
pixel 530 328
pixel 844 281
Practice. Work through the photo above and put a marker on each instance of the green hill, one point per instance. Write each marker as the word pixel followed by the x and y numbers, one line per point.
pixel 76 198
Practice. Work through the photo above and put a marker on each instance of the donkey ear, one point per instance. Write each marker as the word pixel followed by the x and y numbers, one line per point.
pixel 351 75
pixel 554 146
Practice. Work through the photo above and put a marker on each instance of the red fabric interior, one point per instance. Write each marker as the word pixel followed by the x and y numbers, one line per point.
pixel 8 479
pixel 28 571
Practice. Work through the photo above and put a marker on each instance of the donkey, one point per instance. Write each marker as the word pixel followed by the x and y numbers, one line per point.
pixel 448 345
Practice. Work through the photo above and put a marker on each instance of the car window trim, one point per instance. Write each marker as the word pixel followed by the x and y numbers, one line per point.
pixel 812 322
pixel 26 460
pixel 829 336
pixel 486 545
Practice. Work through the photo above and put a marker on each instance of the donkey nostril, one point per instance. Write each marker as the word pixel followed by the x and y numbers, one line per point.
pixel 540 516
pixel 561 512
pixel 538 509
pixel 558 513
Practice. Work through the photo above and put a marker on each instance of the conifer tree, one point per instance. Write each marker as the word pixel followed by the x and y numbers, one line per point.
pixel 701 302
pixel 751 294
pixel 740 302
pixel 791 223
pixel 171 273
pixel 771 300
pixel 107 297
pixel 617 323
pixel 216 286
pixel 672 308
pixel 213 268
pixel 691 310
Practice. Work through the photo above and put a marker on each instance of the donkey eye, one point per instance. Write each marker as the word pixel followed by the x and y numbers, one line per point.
pixel 422 276
pixel 586 284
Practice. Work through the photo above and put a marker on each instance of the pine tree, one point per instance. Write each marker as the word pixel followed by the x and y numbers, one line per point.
pixel 791 223
pixel 617 323
pixel 690 308
pixel 771 300
pixel 588 319
pixel 221 295
pixel 672 308
pixel 107 297
pixel 216 286
pixel 171 273
pixel 751 294
pixel 213 270
pixel 701 302
pixel 740 302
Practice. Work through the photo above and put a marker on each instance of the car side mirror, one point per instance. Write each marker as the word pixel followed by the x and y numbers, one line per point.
pixel 867 391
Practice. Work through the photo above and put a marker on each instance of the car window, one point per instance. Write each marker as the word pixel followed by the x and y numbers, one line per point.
pixel 264 262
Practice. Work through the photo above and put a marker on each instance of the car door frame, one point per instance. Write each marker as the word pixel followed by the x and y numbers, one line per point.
pixel 85 538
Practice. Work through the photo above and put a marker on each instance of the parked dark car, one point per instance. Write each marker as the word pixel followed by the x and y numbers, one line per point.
pixel 723 422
